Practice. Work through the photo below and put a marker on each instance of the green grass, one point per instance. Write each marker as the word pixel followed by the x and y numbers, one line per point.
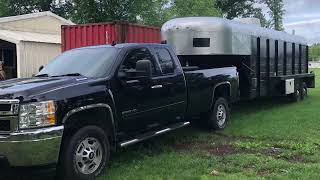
pixel 266 139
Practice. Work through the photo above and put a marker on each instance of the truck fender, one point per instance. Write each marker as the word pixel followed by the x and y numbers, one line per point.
pixel 214 90
pixel 93 106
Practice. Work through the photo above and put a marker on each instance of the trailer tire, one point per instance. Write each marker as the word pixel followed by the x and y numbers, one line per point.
pixel 296 96
pixel 88 147
pixel 304 91
pixel 219 115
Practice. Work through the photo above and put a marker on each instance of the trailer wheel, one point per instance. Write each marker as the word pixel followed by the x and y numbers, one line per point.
pixel 304 91
pixel 219 115
pixel 296 96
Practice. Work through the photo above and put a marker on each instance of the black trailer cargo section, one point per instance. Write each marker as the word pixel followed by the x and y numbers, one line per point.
pixel 300 58
pixel 271 60
pixel 252 68
pixel 274 62
pixel 272 57
pixel 268 64
pixel 284 66
pixel 303 59
pixel 289 59
pixel 276 57
pixel 297 61
pixel 263 67
pixel 280 58
pixel 265 72
pixel 306 63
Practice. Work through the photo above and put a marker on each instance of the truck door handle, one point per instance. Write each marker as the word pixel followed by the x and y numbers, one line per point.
pixel 157 86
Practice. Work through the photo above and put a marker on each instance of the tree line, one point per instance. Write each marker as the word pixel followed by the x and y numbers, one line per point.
pixel 149 12
pixel 314 52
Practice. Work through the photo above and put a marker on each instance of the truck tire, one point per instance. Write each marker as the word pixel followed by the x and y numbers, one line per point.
pixel 219 115
pixel 85 154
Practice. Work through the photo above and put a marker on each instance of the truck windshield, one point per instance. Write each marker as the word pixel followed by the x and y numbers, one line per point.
pixel 88 62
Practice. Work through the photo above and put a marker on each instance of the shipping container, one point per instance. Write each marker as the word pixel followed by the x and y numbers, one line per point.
pixel 75 36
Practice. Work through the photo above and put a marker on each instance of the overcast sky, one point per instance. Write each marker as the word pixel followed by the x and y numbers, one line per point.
pixel 304 17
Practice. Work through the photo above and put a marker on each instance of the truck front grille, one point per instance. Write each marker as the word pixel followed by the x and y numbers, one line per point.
pixel 9 109
pixel 5 107
pixel 5 126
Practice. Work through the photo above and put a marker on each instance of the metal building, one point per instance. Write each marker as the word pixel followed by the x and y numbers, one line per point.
pixel 29 41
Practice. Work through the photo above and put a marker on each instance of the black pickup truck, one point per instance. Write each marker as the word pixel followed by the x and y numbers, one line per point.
pixel 90 101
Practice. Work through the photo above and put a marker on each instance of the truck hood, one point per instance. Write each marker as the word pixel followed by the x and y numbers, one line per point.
pixel 28 87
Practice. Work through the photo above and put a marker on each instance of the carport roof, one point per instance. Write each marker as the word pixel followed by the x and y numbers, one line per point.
pixel 34 15
pixel 18 36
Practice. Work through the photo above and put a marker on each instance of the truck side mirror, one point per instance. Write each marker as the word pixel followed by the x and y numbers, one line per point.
pixel 40 68
pixel 144 69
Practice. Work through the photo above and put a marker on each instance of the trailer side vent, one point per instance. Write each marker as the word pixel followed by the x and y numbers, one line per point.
pixel 201 42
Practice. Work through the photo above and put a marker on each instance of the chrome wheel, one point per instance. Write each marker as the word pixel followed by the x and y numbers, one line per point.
pixel 304 92
pixel 88 155
pixel 221 115
pixel 298 94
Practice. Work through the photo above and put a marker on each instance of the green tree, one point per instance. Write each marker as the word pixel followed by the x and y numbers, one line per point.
pixel 314 52
pixel 159 11
pixel 155 12
pixel 18 7
pixel 150 12
pixel 276 12
pixel 89 11
pixel 241 9
pixel 184 8
pixel 4 8
pixel 236 8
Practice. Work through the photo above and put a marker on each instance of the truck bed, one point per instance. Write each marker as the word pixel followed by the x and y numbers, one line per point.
pixel 200 86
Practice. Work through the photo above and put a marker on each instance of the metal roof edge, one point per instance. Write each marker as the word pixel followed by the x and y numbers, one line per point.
pixel 47 42
pixel 34 15
pixel 19 36
pixel 11 40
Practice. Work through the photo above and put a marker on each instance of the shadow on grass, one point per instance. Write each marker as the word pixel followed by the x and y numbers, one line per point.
pixel 35 173
pixel 256 105
pixel 166 143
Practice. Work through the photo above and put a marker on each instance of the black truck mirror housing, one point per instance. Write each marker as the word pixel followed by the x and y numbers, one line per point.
pixel 40 68
pixel 142 72
pixel 143 68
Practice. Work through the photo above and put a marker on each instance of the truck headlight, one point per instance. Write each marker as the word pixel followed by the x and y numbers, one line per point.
pixel 38 114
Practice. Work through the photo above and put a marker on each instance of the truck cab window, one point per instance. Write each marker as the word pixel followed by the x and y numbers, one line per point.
pixel 165 60
pixel 129 63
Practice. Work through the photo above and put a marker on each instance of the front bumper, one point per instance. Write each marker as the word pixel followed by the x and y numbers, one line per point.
pixel 32 147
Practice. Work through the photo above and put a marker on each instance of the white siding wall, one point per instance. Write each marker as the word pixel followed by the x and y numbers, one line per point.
pixel 32 55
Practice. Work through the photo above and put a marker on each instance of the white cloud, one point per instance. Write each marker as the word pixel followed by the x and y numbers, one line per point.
pixel 303 16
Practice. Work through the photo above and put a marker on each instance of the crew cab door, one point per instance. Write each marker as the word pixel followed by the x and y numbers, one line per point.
pixel 172 86
pixel 142 103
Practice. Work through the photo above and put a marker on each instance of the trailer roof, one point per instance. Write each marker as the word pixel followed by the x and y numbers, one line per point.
pixel 214 23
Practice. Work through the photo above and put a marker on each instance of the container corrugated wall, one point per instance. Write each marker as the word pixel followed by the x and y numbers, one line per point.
pixel 75 36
